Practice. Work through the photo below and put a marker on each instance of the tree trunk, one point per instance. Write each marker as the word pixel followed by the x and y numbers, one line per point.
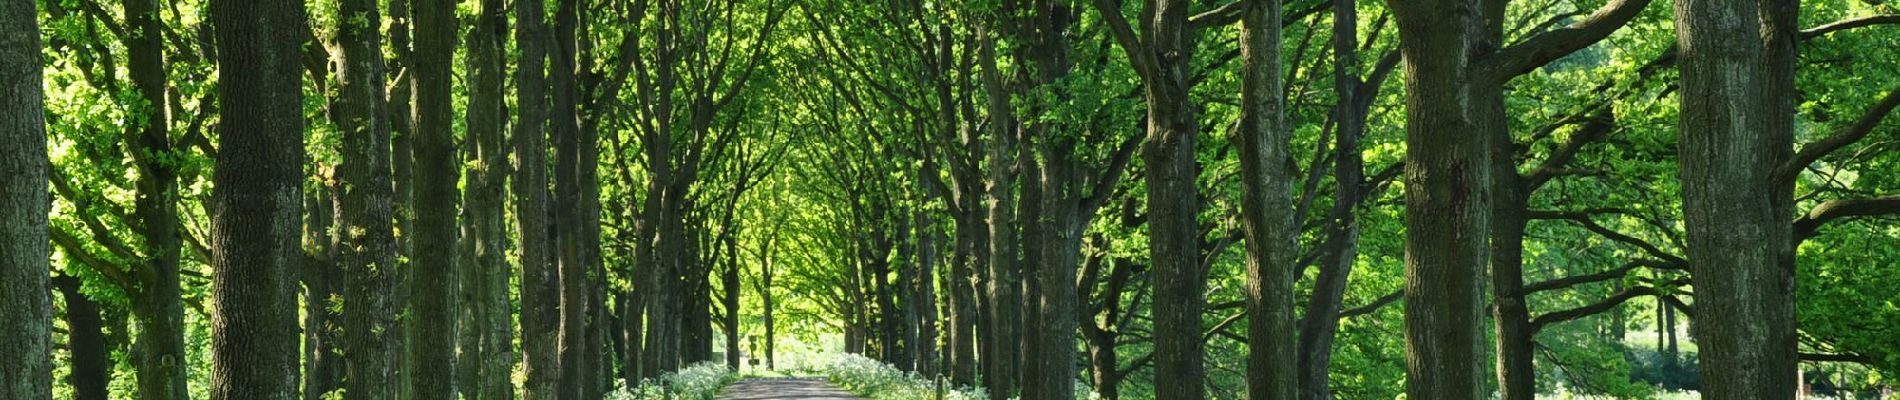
pixel 924 302
pixel 490 333
pixel 566 132
pixel 366 252
pixel 160 348
pixel 91 368
pixel 1737 128
pixel 323 287
pixel 435 301
pixel 729 282
pixel 540 289
pixel 1005 284
pixel 26 356
pixel 1329 288
pixel 401 117
pixel 1447 202
pixel 257 199
pixel 1266 207
pixel 1174 201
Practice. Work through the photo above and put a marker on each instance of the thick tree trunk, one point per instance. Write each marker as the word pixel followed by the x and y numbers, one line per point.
pixel 434 300
pixel 366 252
pixel 1266 204
pixel 1736 122
pixel 257 200
pixel 1447 202
pixel 26 356
pixel 1174 202
pixel 540 288
pixel 91 370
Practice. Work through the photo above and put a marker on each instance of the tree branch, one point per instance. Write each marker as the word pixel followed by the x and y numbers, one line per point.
pixel 1811 33
pixel 1619 272
pixel 1583 218
pixel 1389 298
pixel 1538 323
pixel 1809 225
pixel 77 252
pixel 1787 172
pixel 1550 46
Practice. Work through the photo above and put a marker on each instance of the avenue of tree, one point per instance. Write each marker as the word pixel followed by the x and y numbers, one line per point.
pixel 1167 199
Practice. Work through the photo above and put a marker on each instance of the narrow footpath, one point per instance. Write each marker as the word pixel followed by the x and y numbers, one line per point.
pixel 785 389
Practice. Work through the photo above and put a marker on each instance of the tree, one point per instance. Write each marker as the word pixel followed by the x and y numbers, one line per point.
pixel 1447 201
pixel 1162 56
pixel 490 332
pixel 1266 205
pixel 434 301
pixel 257 201
pixel 540 291
pixel 26 369
pixel 1737 123
pixel 366 239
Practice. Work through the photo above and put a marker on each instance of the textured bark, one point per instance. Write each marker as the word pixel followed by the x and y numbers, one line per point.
pixel 26 369
pixel 90 370
pixel 1447 202
pixel 1266 207
pixel 1002 357
pixel 1737 126
pixel 565 130
pixel 365 210
pixel 433 301
pixel 401 115
pixel 257 199
pixel 1163 57
pixel 159 351
pixel 540 287
pixel 489 305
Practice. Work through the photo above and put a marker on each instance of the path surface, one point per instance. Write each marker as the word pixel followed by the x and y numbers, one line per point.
pixel 785 389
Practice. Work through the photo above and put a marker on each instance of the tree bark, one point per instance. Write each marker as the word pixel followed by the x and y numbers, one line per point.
pixel 1737 126
pixel 367 250
pixel 26 356
pixel 1447 202
pixel 1266 206
pixel 1004 289
pixel 1163 58
pixel 160 347
pixel 540 287
pixel 256 200
pixel 572 271
pixel 434 300
pixel 489 305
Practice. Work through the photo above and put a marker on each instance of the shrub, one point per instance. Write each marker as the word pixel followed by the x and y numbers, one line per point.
pixel 879 381
pixel 700 381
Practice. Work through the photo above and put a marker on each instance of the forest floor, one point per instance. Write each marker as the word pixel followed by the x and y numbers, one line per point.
pixel 785 389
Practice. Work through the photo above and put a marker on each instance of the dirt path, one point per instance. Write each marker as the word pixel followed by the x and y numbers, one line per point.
pixel 785 389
